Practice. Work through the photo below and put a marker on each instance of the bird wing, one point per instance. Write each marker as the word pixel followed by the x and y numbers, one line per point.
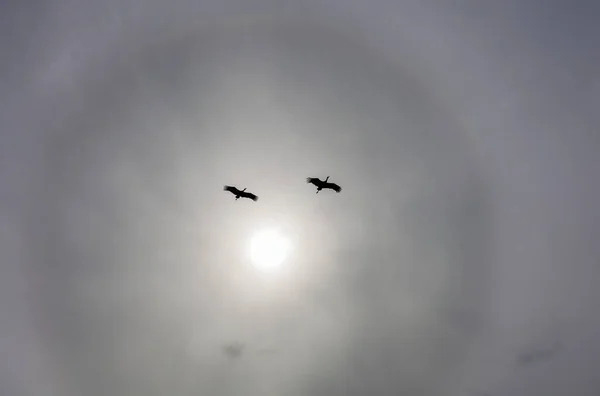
pixel 334 187
pixel 250 195
pixel 231 189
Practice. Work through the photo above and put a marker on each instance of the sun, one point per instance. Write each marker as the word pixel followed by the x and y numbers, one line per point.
pixel 269 249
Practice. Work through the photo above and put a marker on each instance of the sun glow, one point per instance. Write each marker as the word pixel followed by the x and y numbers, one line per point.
pixel 269 249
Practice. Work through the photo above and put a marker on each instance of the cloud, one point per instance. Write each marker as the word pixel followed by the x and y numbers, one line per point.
pixel 464 138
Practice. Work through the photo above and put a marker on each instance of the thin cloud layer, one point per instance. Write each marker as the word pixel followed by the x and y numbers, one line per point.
pixel 463 138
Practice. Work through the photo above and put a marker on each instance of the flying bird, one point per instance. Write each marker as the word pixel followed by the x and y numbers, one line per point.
pixel 538 354
pixel 240 193
pixel 321 184
pixel 233 350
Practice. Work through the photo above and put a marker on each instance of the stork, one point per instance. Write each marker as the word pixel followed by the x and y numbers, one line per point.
pixel 321 184
pixel 240 193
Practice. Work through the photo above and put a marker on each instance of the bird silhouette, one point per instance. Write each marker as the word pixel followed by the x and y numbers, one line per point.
pixel 240 193
pixel 233 350
pixel 321 184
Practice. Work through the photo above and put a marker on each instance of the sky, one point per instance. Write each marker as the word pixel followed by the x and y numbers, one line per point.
pixel 460 257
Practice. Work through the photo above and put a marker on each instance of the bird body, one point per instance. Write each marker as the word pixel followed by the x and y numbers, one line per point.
pixel 321 184
pixel 240 193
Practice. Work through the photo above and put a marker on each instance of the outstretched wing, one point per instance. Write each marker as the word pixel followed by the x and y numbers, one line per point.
pixel 231 189
pixel 334 187
pixel 312 180
pixel 249 195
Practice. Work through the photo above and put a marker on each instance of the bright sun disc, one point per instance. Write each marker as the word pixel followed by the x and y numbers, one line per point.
pixel 268 249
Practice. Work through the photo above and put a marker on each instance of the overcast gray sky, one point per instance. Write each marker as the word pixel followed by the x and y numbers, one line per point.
pixel 464 135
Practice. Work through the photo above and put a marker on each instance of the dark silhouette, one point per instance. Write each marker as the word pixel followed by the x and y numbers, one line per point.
pixel 240 193
pixel 321 184
pixel 233 350
pixel 538 354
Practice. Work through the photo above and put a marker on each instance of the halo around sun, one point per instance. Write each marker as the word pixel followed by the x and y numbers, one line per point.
pixel 269 249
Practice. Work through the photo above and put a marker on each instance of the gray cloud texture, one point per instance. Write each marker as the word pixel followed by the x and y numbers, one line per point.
pixel 463 136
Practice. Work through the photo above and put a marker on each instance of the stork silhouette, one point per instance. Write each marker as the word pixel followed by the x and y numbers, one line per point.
pixel 240 193
pixel 323 184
